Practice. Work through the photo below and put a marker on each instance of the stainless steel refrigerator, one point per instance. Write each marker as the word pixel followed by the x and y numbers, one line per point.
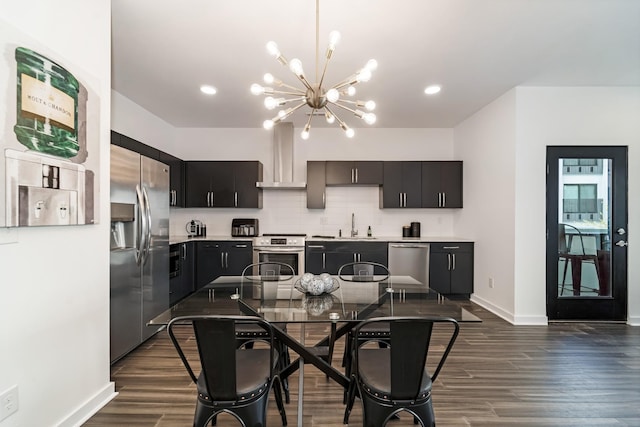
pixel 139 247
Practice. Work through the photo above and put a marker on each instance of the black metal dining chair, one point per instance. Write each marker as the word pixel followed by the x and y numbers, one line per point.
pixel 394 379
pixel 257 273
pixel 364 271
pixel 232 380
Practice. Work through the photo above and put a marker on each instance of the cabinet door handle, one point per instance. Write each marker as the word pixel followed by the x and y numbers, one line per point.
pixel 222 259
pixel 241 246
pixel 235 199
pixel 444 200
pixel 400 194
pixel 352 175
pixel 454 261
pixel 323 198
pixel 315 246
pixel 451 247
pixel 449 261
pixel 324 260
pixel 184 250
pixel 226 260
pixel 356 175
pixel 405 199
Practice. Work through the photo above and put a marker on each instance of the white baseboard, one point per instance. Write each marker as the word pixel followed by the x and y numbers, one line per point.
pixel 90 407
pixel 509 317
pixel 633 321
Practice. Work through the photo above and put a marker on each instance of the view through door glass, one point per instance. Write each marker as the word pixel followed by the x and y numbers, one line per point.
pixel 586 220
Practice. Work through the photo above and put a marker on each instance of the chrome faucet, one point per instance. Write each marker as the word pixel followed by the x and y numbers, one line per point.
pixel 354 232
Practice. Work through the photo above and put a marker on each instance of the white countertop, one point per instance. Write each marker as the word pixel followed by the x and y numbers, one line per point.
pixel 395 239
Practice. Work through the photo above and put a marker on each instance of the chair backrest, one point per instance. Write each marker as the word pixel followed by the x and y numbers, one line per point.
pixel 217 347
pixel 566 244
pixel 363 271
pixel 268 271
pixel 410 338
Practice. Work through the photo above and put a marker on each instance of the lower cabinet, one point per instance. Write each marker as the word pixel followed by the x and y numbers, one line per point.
pixel 451 268
pixel 181 281
pixel 221 258
pixel 328 256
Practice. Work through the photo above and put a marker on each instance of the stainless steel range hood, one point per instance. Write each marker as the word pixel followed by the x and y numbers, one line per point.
pixel 282 160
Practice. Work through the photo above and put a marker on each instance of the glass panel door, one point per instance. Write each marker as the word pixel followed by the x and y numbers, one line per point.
pixel 586 212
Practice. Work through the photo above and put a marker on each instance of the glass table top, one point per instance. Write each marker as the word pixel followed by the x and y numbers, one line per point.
pixel 282 301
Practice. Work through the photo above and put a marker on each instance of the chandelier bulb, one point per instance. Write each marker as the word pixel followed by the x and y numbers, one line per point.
pixel 333 95
pixel 296 67
pixel 370 105
pixel 256 89
pixel 334 39
pixel 364 75
pixel 272 48
pixel 372 65
pixel 369 118
pixel 349 132
pixel 329 117
pixel 267 124
pixel 351 90
pixel 268 78
pixel 270 103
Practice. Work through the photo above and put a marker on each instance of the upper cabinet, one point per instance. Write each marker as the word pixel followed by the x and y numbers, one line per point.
pixel 401 185
pixel 316 185
pixel 354 172
pixel 223 184
pixel 442 184
pixel 176 179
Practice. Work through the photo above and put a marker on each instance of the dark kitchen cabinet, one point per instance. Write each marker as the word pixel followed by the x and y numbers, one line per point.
pixel 451 268
pixel 133 145
pixel 223 184
pixel 221 258
pixel 329 256
pixel 316 185
pixel 181 281
pixel 401 187
pixel 354 172
pixel 442 184
pixel 176 179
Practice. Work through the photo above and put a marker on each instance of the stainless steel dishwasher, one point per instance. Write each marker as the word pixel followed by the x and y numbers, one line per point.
pixel 410 259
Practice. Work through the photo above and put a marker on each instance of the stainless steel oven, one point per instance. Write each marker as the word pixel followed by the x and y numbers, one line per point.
pixel 285 248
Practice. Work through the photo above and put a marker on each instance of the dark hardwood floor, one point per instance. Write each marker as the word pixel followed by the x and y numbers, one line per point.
pixel 564 374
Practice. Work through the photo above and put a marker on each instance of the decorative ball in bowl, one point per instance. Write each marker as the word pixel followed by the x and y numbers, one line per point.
pixel 315 305
pixel 316 285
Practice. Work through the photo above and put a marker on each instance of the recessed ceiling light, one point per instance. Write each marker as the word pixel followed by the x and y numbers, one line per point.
pixel 209 90
pixel 432 90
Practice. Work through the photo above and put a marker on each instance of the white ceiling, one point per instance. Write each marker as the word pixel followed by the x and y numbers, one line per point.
pixel 163 50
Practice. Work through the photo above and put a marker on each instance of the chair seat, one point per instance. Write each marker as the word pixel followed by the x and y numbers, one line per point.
pixel 252 375
pixel 377 381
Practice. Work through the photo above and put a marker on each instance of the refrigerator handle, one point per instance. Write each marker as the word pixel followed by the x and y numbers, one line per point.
pixel 140 230
pixel 147 210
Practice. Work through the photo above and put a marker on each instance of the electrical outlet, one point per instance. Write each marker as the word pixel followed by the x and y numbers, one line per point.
pixel 8 402
pixel 491 282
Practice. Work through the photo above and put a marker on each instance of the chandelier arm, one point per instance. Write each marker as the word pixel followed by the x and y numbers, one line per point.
pixel 293 109
pixel 324 70
pixel 289 86
pixel 344 107
pixel 307 127
pixel 340 122
pixel 351 81
pixel 304 81
pixel 298 92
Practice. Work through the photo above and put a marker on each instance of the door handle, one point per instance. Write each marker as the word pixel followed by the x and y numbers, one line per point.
pixel 444 200
pixel 622 243
pixel 453 256
pixel 235 199
pixel 222 259
pixel 324 260
pixel 226 260
pixel 400 203
pixel 356 169
pixel 621 231
pixel 448 261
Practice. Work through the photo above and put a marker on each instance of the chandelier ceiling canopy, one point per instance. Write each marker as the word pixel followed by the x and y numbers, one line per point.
pixel 320 98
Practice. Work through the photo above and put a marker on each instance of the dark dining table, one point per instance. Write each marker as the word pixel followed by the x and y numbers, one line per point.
pixel 284 302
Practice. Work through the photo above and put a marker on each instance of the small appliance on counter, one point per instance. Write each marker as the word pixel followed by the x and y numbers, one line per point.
pixel 244 227
pixel 415 229
pixel 195 228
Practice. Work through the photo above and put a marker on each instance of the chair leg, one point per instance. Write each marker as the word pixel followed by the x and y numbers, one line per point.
pixel 349 399
pixel 203 415
pixel 278 396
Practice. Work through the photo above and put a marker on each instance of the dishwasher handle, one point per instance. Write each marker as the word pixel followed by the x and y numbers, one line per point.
pixel 404 245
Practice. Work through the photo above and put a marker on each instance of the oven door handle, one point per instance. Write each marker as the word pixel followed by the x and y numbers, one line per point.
pixel 275 250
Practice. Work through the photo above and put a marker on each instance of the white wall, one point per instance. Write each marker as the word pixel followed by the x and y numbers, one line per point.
pixel 504 148
pixel 568 116
pixel 54 308
pixel 129 119
pixel 486 144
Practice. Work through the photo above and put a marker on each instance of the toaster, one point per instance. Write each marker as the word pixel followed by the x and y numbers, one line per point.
pixel 244 227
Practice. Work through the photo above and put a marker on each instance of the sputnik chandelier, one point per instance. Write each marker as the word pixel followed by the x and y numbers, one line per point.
pixel 315 95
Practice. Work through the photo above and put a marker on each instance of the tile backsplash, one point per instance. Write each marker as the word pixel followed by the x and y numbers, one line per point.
pixel 285 211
